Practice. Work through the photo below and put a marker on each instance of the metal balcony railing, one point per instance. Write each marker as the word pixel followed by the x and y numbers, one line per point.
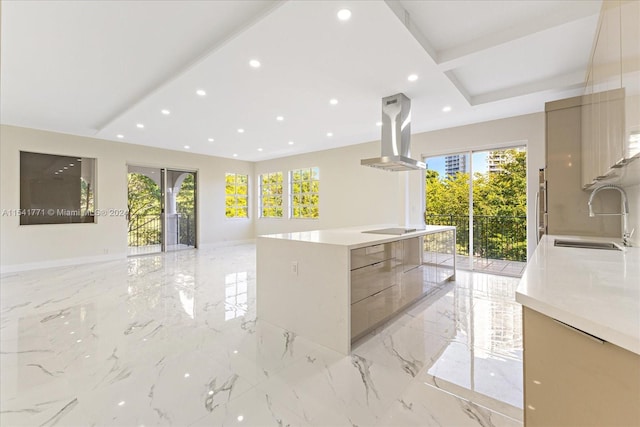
pixel 494 237
pixel 146 230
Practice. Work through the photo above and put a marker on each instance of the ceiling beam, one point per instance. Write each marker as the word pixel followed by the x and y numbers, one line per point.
pixel 405 17
pixel 563 82
pixel 459 55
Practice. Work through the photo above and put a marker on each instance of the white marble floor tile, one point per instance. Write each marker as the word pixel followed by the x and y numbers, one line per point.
pixel 173 339
pixel 423 405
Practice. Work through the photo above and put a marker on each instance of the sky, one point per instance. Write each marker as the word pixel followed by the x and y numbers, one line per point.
pixel 479 163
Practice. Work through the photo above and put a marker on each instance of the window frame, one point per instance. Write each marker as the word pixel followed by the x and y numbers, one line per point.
pixel 274 188
pixel 236 196
pixel 36 205
pixel 314 177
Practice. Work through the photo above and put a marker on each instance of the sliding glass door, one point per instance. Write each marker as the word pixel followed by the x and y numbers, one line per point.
pixel 145 204
pixel 180 215
pixel 482 193
pixel 162 210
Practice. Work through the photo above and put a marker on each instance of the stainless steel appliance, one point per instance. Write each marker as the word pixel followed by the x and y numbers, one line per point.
pixel 541 204
pixel 396 137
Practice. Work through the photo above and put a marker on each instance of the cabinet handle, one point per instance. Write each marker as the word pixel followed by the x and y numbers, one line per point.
pixel 373 295
pixel 581 332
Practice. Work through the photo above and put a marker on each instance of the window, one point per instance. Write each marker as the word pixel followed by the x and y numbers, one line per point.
pixel 271 195
pixel 304 187
pixel 236 200
pixel 56 189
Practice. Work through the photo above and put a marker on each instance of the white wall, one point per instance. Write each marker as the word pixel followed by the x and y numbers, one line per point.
pixel 32 246
pixel 350 194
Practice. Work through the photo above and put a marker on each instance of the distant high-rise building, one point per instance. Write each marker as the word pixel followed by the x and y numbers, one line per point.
pixel 496 159
pixel 454 164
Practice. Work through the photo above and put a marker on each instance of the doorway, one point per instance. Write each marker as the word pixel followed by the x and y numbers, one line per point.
pixel 483 194
pixel 162 210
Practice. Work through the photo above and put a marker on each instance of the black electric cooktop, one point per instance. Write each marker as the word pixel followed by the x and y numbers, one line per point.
pixel 396 231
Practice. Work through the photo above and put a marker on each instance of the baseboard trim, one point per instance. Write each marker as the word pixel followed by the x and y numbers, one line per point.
pixel 16 268
pixel 226 243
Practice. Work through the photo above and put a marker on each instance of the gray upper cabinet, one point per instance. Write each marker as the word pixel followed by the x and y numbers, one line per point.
pixel 611 102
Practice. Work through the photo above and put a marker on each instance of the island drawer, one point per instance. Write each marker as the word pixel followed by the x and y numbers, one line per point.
pixel 373 310
pixel 362 257
pixel 368 280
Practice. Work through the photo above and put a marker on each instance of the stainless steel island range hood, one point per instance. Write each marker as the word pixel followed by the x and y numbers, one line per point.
pixel 396 137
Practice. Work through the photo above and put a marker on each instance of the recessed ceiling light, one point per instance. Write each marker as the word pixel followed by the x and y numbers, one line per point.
pixel 241 130
pixel 235 155
pixel 186 147
pixel 79 160
pixel 291 142
pixel 72 164
pixel 329 134
pixel 344 14
pixel 140 126
pixel 201 92
pixel 119 136
pixel 279 118
pixel 255 63
pixel 333 101
pixel 210 139
pixel 60 171
pixel 165 112
pixel 65 167
pixel 446 108
pixel 412 77
pixel 259 149
pixel 56 173
pixel 378 123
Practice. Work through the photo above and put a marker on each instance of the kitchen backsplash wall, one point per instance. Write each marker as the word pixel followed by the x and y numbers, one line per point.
pixel 631 185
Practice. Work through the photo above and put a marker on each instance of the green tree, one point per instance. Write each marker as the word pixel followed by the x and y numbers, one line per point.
pixel 185 206
pixel 143 204
pixel 236 199
pixel 499 207
pixel 271 195
pixel 185 199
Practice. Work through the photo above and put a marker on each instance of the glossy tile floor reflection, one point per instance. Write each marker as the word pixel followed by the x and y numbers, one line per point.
pixel 173 340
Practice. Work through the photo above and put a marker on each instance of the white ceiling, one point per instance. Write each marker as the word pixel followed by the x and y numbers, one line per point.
pixel 98 68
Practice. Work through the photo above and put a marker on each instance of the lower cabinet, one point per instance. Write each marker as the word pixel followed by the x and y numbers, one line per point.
pixel 575 379
pixel 389 277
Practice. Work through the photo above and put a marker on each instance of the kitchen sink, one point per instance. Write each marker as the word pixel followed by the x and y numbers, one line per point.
pixel 583 244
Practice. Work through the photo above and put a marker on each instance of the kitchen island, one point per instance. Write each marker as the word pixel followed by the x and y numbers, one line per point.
pixel 581 317
pixel 334 286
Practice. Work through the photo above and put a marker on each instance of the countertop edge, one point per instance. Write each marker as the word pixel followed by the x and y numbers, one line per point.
pixel 609 335
pixel 540 290
pixel 378 239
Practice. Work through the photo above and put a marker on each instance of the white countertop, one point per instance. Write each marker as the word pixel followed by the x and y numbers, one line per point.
pixel 596 291
pixel 353 237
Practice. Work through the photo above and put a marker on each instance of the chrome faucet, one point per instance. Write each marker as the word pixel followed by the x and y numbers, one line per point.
pixel 625 209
